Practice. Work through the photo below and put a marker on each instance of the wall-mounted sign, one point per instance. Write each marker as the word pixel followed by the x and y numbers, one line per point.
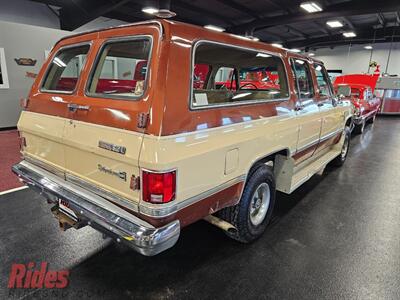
pixel 25 61
pixel 30 75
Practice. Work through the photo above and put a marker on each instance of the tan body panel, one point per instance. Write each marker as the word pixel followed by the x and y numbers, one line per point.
pixel 83 156
pixel 44 138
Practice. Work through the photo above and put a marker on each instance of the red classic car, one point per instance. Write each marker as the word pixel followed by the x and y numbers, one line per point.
pixel 366 104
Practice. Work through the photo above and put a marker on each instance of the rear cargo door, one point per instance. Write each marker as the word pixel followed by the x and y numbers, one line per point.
pixel 104 135
pixel 47 111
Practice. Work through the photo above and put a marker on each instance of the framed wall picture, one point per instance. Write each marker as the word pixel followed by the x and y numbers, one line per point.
pixel 3 71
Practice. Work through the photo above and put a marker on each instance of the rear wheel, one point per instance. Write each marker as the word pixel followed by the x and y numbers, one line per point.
pixel 254 211
pixel 341 158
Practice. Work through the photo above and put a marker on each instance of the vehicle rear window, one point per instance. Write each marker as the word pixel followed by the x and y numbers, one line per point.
pixel 121 69
pixel 237 76
pixel 64 69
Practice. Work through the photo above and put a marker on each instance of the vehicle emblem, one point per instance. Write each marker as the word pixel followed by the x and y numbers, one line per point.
pixel 120 175
pixel 112 147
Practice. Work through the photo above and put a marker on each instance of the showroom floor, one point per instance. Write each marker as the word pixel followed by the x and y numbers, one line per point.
pixel 338 236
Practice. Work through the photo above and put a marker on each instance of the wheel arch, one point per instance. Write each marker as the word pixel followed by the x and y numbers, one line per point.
pixel 265 159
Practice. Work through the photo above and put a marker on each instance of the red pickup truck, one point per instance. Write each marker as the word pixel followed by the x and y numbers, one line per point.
pixel 360 89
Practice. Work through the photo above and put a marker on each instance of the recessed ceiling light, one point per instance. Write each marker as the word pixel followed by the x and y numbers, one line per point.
pixel 165 14
pixel 150 10
pixel 277 45
pixel 349 34
pixel 215 28
pixel 334 24
pixel 311 7
pixel 294 50
pixel 311 54
pixel 368 47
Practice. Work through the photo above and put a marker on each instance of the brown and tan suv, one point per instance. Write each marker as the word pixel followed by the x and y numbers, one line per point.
pixel 143 129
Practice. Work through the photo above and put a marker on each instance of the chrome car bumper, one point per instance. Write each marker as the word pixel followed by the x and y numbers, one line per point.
pixel 99 213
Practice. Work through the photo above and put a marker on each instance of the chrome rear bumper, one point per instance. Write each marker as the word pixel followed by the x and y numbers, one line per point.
pixel 100 213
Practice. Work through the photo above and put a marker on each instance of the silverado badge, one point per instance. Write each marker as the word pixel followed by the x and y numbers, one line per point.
pixel 112 147
pixel 120 175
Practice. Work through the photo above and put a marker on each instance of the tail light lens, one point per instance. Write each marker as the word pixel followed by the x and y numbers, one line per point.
pixel 158 187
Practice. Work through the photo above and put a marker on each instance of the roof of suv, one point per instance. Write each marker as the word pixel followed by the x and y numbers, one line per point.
pixel 167 23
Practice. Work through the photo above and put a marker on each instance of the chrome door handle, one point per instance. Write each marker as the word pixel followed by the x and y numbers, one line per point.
pixel 72 107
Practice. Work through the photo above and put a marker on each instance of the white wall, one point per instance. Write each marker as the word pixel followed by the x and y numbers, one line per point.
pixel 20 40
pixel 28 12
pixel 357 60
pixel 98 23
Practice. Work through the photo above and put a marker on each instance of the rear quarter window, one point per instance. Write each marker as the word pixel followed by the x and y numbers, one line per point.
pixel 64 70
pixel 236 76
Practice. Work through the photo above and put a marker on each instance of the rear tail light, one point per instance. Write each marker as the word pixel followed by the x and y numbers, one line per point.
pixel 158 187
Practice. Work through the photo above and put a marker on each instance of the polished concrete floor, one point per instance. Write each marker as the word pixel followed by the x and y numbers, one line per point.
pixel 336 237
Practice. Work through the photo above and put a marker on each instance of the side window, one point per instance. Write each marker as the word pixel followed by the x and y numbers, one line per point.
pixel 121 69
pixel 200 75
pixel 225 79
pixel 323 81
pixel 237 76
pixel 303 79
pixel 65 68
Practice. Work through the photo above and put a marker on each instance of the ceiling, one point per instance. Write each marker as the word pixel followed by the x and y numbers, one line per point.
pixel 280 21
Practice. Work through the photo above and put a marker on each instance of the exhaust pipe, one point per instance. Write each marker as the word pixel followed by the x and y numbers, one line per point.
pixel 222 224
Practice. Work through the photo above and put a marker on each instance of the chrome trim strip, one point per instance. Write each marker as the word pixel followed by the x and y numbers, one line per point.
pixel 100 214
pixel 308 145
pixel 164 210
pixel 321 139
pixel 102 192
pixel 115 27
pixel 54 170
pixel 330 135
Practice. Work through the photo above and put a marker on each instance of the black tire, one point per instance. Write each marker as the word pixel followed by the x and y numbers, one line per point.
pixel 372 120
pixel 239 215
pixel 359 129
pixel 341 158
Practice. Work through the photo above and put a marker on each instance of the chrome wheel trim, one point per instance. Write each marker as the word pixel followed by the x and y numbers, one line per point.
pixel 259 204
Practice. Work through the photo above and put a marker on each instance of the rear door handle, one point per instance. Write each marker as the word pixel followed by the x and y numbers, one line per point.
pixel 320 104
pixel 72 107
